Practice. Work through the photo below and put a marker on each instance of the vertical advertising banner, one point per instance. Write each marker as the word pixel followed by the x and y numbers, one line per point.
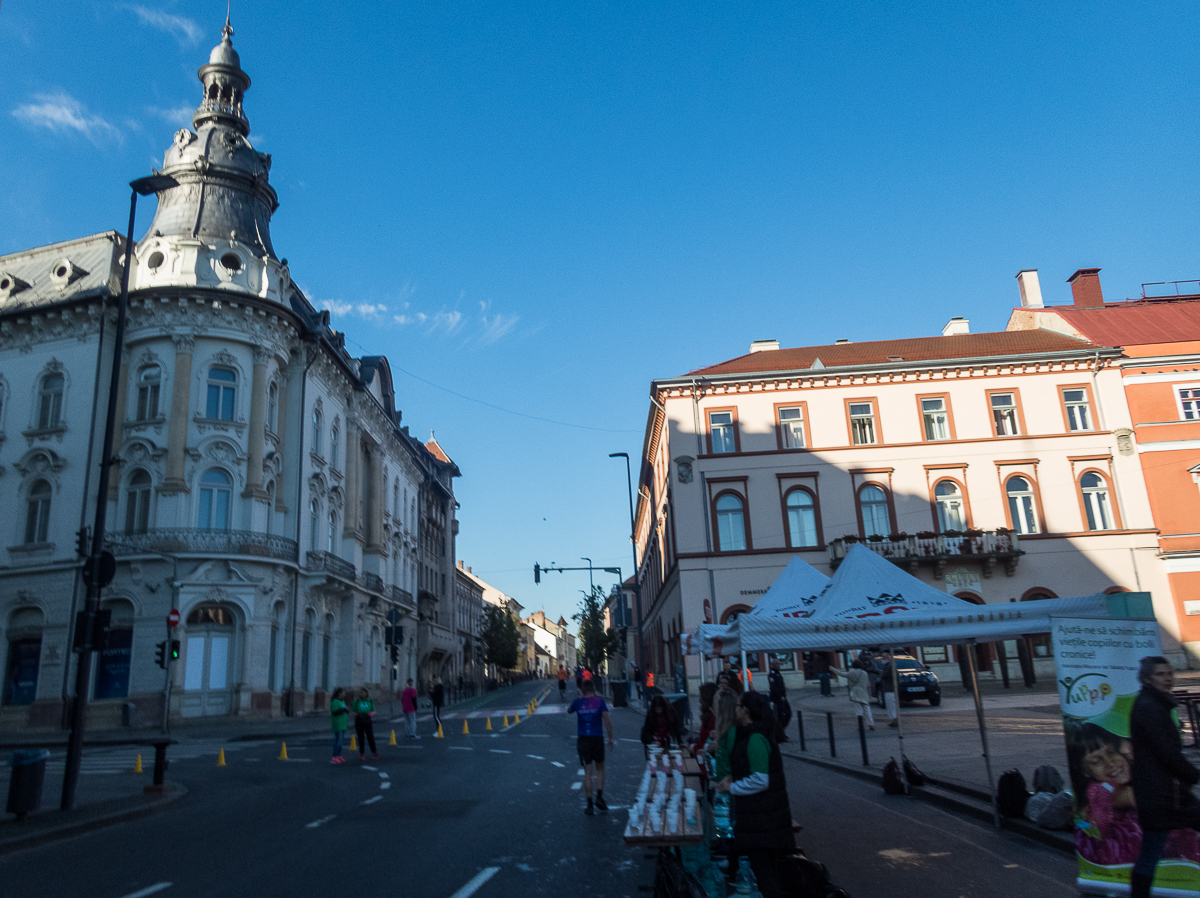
pixel 1097 662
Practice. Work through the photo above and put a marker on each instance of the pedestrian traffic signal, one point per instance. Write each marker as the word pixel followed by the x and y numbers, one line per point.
pixel 160 655
pixel 537 573
pixel 82 539
pixel 174 649
pixel 395 653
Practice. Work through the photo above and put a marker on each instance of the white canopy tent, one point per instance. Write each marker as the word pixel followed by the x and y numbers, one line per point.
pixel 872 602
pixel 793 594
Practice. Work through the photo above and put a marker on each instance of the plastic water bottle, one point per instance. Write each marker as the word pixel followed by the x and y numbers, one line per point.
pixel 745 884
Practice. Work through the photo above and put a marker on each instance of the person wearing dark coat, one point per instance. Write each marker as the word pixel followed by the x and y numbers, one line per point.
pixel 777 691
pixel 1162 777
pixel 762 814
pixel 661 727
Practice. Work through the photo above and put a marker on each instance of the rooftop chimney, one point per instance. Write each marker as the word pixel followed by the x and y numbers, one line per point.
pixel 842 340
pixel 1085 288
pixel 763 345
pixel 1031 290
pixel 955 326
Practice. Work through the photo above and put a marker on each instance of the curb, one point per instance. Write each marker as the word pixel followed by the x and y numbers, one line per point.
pixel 943 795
pixel 172 793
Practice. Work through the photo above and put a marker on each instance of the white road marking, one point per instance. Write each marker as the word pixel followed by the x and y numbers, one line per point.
pixel 635 741
pixel 372 769
pixel 536 757
pixel 576 786
pixel 372 800
pixel 579 772
pixel 556 764
pixel 535 735
pixel 382 775
pixel 461 748
pixel 475 882
pixel 385 785
pixel 149 890
pixel 312 825
pixel 500 751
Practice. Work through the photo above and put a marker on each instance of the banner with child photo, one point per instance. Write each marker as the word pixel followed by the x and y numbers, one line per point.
pixel 1097 663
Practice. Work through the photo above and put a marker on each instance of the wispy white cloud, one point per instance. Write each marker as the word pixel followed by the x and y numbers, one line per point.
pixel 487 327
pixel 174 115
pixel 183 29
pixel 60 113
pixel 495 326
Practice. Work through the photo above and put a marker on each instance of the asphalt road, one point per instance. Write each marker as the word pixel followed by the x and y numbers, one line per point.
pixel 497 812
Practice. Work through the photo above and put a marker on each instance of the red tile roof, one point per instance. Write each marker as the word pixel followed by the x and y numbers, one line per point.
pixel 1137 322
pixel 436 451
pixel 917 349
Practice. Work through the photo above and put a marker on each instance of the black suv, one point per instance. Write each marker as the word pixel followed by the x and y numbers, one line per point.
pixel 916 680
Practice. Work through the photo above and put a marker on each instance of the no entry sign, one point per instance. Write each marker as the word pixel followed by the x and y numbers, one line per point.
pixel 173 618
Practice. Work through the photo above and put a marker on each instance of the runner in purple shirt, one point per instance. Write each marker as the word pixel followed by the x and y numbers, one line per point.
pixel 593 713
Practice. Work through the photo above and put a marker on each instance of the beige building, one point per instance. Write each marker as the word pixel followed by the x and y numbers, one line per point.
pixel 995 466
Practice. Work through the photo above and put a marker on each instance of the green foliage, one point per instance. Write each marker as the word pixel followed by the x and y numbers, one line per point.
pixel 595 643
pixel 500 638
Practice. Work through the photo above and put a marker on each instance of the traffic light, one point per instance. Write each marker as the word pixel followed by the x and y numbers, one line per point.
pixel 537 573
pixel 81 545
pixel 160 655
pixel 174 649
pixel 395 653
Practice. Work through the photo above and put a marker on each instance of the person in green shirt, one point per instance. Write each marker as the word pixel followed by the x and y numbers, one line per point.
pixel 339 716
pixel 364 711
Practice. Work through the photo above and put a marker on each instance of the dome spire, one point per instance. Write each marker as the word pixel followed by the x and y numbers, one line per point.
pixel 225 84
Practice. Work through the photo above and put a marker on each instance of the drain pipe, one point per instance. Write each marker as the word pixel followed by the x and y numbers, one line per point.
pixel 312 350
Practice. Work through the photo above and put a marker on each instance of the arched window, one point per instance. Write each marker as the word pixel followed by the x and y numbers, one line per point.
pixel 731 523
pixel 222 393
pixel 874 503
pixel 50 400
pixel 37 513
pixel 149 382
pixel 1021 505
pixel 314 525
pixel 951 512
pixel 334 462
pixel 332 538
pixel 316 436
pixel 216 491
pixel 801 518
pixel 137 503
pixel 273 408
pixel 1095 501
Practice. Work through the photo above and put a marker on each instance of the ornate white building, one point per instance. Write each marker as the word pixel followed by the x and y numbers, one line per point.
pixel 265 487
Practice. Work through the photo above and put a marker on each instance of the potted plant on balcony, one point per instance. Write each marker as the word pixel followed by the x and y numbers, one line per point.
pixel 875 538
pixel 897 537
pixel 850 539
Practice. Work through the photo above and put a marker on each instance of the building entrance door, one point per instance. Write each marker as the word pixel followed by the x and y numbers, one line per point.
pixel 207 660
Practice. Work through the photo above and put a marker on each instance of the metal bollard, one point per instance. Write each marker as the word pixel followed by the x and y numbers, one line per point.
pixel 160 762
pixel 832 744
pixel 800 724
pixel 862 738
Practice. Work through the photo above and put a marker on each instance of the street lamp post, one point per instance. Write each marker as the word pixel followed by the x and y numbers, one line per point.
pixel 86 622
pixel 633 547
pixel 591 579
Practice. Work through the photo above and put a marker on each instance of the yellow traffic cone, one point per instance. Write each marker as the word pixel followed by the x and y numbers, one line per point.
pixel 137 764
pixel 353 743
pixel 440 735
pixel 517 718
pixel 221 758
pixel 466 732
pixel 392 741
pixel 506 720
pixel 489 724
pixel 283 751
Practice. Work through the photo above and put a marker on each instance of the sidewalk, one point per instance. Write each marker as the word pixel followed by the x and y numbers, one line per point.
pixel 110 792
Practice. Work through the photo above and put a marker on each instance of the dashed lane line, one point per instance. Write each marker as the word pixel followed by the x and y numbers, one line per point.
pixel 461 748
pixel 579 772
pixel 472 885
pixel 536 757
pixel 372 800
pixel 320 822
pixel 575 786
pixel 385 785
pixel 500 751
pixel 556 764
pixel 157 887
pixel 372 769
pixel 382 775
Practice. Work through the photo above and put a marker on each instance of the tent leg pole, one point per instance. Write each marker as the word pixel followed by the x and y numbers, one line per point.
pixel 747 683
pixel 899 722
pixel 987 761
pixel 703 660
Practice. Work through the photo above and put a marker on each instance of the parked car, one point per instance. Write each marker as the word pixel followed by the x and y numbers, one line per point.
pixel 916 680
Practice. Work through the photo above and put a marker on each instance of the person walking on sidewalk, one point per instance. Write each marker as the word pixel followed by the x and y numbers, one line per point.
pixel 339 716
pixel 1162 776
pixel 437 695
pixel 593 714
pixel 888 687
pixel 562 682
pixel 364 726
pixel 858 685
pixel 408 702
pixel 777 691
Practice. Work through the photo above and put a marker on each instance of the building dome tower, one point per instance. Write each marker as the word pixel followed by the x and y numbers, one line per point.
pixel 212 227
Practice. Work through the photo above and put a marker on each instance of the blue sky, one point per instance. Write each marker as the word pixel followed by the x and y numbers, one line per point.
pixel 544 206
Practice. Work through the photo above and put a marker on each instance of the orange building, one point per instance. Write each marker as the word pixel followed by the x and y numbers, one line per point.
pixel 1159 336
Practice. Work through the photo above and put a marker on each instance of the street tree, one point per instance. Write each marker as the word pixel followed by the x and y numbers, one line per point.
pixel 500 638
pixel 595 642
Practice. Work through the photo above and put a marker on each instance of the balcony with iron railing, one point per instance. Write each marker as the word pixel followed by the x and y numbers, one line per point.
pixel 401 597
pixel 330 564
pixel 938 549
pixel 186 541
pixel 373 582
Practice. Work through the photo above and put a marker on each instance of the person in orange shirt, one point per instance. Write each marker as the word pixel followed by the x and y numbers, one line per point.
pixel 562 682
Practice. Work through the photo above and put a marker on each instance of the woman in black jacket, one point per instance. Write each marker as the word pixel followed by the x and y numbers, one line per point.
pixel 762 814
pixel 661 727
pixel 1162 776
